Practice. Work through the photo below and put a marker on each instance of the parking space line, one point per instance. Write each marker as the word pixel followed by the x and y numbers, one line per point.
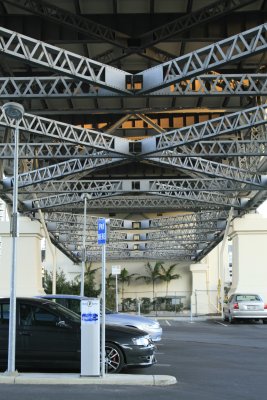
pixel 167 322
pixel 220 323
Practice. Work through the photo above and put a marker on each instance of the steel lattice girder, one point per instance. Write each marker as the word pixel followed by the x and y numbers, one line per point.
pixel 91 28
pixel 206 167
pixel 59 170
pixel 64 87
pixel 65 234
pixel 64 62
pixel 227 124
pixel 70 133
pixel 211 148
pixel 135 203
pixel 210 57
pixel 201 197
pixel 198 218
pixel 134 185
pixel 53 151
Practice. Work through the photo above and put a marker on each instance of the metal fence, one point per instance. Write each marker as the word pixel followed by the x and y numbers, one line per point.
pixel 175 303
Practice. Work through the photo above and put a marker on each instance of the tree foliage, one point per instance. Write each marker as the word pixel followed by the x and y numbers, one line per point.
pixel 167 275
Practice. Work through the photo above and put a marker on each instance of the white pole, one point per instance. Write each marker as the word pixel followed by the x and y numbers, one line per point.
pixel 117 300
pixel 84 246
pixel 103 312
pixel 14 111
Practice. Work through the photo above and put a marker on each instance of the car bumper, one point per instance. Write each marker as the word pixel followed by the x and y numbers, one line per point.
pixel 139 356
pixel 249 314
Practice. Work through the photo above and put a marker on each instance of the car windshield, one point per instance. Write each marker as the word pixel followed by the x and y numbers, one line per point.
pixel 247 297
pixel 68 314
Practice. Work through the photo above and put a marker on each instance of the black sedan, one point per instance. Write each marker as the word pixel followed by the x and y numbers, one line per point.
pixel 49 337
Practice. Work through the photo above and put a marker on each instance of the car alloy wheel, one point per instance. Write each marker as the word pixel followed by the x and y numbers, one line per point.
pixel 114 358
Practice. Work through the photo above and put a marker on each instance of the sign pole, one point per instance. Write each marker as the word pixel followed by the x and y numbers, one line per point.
pixel 117 305
pixel 101 240
pixel 103 326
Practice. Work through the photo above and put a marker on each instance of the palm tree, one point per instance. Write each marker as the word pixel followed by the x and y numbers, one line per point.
pixel 124 278
pixel 167 275
pixel 153 275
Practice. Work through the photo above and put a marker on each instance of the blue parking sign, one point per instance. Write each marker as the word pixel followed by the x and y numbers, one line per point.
pixel 101 231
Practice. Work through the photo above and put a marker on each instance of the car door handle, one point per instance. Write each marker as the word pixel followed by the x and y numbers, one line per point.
pixel 25 334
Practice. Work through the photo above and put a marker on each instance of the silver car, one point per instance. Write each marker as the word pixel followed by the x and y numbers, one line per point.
pixel 151 326
pixel 245 306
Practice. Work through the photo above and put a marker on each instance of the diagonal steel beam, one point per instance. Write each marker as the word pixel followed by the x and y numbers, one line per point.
pixel 232 49
pixel 59 170
pixel 66 132
pixel 212 168
pixel 88 27
pixel 215 127
pixel 61 61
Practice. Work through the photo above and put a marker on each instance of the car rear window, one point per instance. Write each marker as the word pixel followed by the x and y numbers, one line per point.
pixel 248 297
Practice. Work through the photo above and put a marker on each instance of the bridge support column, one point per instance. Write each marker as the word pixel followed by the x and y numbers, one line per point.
pixel 249 261
pixel 29 267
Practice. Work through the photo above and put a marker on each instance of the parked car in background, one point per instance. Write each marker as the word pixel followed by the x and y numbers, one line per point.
pixel 72 302
pixel 48 336
pixel 245 306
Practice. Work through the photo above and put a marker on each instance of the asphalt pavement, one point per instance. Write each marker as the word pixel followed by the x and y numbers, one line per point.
pixel 209 359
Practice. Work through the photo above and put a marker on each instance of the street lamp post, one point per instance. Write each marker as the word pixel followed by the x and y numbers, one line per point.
pixel 13 111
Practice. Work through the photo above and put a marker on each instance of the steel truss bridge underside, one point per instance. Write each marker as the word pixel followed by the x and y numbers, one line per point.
pixel 163 129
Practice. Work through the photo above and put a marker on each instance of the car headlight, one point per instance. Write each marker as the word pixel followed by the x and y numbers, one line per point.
pixel 141 341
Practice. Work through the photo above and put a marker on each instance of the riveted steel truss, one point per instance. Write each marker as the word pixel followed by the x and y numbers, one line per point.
pixel 90 28
pixel 205 169
pixel 211 57
pixel 64 87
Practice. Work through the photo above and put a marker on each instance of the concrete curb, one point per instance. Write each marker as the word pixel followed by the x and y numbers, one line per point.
pixel 76 379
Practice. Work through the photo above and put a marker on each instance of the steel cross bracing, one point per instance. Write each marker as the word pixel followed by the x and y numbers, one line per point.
pixel 58 130
pixel 64 62
pixel 134 185
pixel 227 124
pixel 64 17
pixel 206 167
pixel 207 148
pixel 135 203
pixel 202 218
pixel 217 199
pixel 90 28
pixel 233 48
pixel 135 254
pixel 203 233
pixel 54 150
pixel 218 148
pixel 125 202
pixel 59 170
pixel 64 87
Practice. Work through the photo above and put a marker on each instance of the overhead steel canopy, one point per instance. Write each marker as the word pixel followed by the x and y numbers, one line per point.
pixel 156 110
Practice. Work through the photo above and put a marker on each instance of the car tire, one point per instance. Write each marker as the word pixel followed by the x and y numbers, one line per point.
pixel 114 358
pixel 231 319
pixel 264 320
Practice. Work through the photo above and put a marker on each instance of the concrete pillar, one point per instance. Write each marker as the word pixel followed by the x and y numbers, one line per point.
pixel 29 267
pixel 199 297
pixel 249 238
